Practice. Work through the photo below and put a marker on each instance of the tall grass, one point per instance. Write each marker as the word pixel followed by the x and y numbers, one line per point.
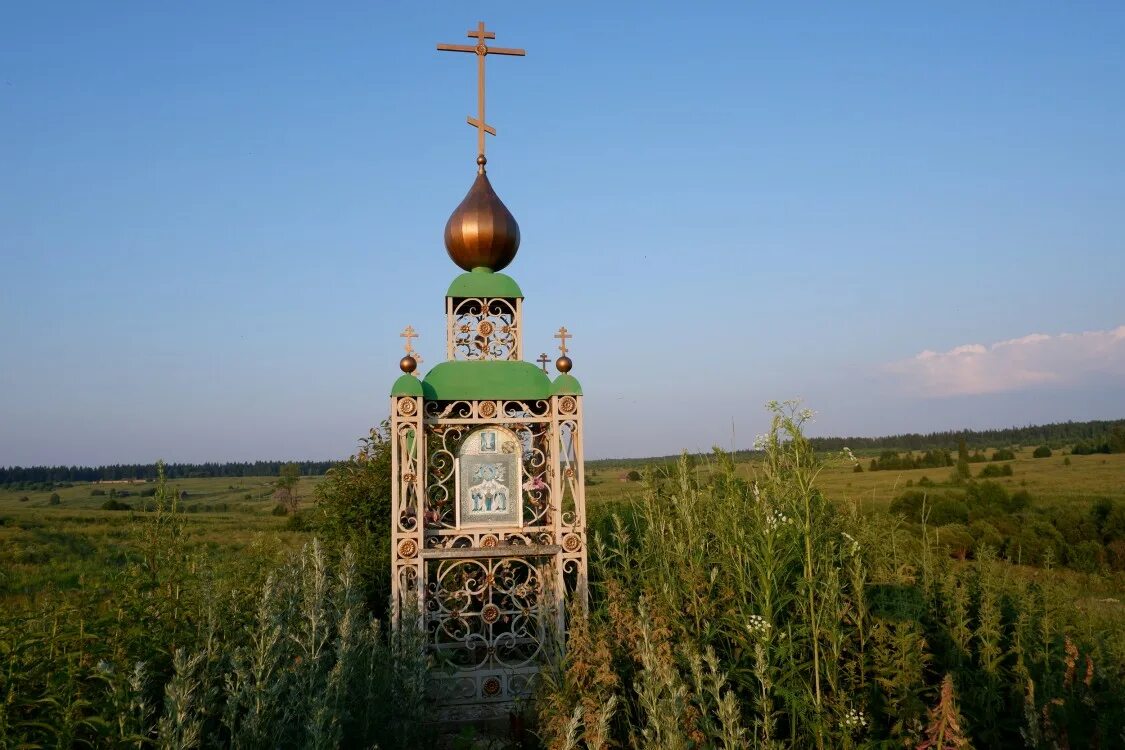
pixel 755 613
pixel 168 656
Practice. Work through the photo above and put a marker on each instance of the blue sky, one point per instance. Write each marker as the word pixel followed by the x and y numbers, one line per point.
pixel 215 218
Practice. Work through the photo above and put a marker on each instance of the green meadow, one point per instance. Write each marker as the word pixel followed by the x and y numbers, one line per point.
pixel 784 600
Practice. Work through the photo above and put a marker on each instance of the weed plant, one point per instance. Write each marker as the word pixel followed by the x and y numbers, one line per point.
pixel 754 613
pixel 168 655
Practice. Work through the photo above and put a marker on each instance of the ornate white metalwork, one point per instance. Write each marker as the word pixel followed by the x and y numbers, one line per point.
pixel 483 328
pixel 491 596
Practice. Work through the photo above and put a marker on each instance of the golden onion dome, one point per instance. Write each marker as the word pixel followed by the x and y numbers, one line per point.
pixel 481 232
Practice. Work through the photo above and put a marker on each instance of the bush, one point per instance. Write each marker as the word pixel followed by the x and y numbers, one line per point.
pixel 24 499
pixel 1088 556
pixel 858 469
pixel 1042 452
pixel 925 482
pixel 957 538
pixel 353 508
pixel 1004 454
pixel 1066 461
pixel 633 476
pixel 1037 543
pixel 97 492
pixel 985 534
pixel 113 504
pixel 54 499
pixel 279 510
pixel 993 470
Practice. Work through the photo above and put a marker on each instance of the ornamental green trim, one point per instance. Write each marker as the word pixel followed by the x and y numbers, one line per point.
pixel 481 282
pixel 407 385
pixel 566 385
pixel 472 381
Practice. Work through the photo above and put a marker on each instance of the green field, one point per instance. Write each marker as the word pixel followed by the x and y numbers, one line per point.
pixel 87 593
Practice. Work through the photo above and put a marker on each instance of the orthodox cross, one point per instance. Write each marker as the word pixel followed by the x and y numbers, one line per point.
pixel 481 49
pixel 408 334
pixel 562 336
pixel 543 360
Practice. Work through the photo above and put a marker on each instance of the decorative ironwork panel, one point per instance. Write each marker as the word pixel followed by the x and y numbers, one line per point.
pixel 481 328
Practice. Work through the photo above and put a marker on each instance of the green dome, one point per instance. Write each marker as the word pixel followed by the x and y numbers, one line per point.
pixel 481 282
pixel 472 381
pixel 566 384
pixel 407 385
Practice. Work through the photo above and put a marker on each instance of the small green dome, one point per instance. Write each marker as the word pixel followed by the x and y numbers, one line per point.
pixel 407 385
pixel 481 282
pixel 566 384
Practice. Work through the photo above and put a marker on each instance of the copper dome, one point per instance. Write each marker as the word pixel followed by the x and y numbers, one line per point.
pixel 481 232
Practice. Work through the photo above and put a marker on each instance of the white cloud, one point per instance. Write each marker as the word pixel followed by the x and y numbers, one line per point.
pixel 1016 364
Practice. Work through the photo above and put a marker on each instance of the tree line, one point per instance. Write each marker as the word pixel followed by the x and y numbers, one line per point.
pixel 1056 434
pixel 118 472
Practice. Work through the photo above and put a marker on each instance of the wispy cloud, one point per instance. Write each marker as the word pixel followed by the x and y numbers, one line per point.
pixel 1016 364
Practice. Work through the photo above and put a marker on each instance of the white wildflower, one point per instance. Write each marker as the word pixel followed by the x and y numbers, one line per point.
pixel 776 519
pixel 806 415
pixel 761 442
pixel 855 719
pixel 757 625
pixel 851 456
pixel 854 544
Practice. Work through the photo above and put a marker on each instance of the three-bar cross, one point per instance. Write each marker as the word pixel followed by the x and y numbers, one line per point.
pixel 543 360
pixel 480 49
pixel 409 334
pixel 562 336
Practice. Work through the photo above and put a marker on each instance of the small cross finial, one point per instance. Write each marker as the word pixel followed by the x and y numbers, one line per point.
pixel 543 360
pixel 480 49
pixel 409 334
pixel 562 336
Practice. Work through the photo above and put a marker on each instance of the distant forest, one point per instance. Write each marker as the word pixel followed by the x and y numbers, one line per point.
pixel 118 472
pixel 1096 436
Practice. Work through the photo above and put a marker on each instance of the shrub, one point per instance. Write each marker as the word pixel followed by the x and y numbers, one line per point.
pixel 1088 556
pixel 1042 452
pixel 993 470
pixel 112 504
pixel 957 538
pixel 54 499
pixel 1004 454
pixel 279 510
pixel 1066 461
pixel 985 534
pixel 1037 543
pixel 925 482
pixel 97 492
pixel 24 499
pixel 633 476
pixel 858 469
pixel 353 508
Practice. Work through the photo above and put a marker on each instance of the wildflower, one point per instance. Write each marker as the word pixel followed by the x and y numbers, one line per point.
pixel 761 442
pixel 806 415
pixel 855 719
pixel 757 625
pixel 851 456
pixel 776 519
pixel 855 545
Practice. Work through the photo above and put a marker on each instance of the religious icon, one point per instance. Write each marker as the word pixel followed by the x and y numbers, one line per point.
pixel 489 479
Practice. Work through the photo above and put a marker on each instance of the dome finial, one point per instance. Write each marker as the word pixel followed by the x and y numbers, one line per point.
pixel 481 232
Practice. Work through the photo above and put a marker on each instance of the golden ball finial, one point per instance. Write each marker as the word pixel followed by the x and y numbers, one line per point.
pixel 408 364
pixel 481 232
pixel 563 364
